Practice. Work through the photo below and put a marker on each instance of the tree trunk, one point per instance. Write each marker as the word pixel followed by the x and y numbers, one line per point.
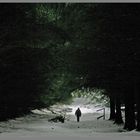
pixel 129 112
pixel 118 117
pixel 138 117
pixel 137 107
pixel 112 108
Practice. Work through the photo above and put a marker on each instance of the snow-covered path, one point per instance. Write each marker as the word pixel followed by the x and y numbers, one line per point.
pixel 38 127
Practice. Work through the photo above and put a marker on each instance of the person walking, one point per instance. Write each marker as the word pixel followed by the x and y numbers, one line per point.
pixel 78 114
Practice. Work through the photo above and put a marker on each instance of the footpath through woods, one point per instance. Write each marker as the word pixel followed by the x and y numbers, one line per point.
pixel 37 125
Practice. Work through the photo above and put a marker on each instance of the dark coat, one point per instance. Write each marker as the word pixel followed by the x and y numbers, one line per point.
pixel 78 113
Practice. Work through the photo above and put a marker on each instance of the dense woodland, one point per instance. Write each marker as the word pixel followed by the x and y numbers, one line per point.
pixel 48 50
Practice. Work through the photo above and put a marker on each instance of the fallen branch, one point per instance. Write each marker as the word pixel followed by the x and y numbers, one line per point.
pixel 59 118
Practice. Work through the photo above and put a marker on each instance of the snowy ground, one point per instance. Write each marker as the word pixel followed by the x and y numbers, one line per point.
pixel 37 126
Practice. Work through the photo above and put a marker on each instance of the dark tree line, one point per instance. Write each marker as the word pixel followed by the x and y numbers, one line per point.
pixel 31 73
pixel 106 40
pixel 48 50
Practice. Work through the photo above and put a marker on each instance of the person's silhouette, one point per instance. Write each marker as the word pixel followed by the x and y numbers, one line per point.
pixel 78 114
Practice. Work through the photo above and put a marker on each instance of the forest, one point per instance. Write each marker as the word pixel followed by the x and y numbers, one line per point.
pixel 48 50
